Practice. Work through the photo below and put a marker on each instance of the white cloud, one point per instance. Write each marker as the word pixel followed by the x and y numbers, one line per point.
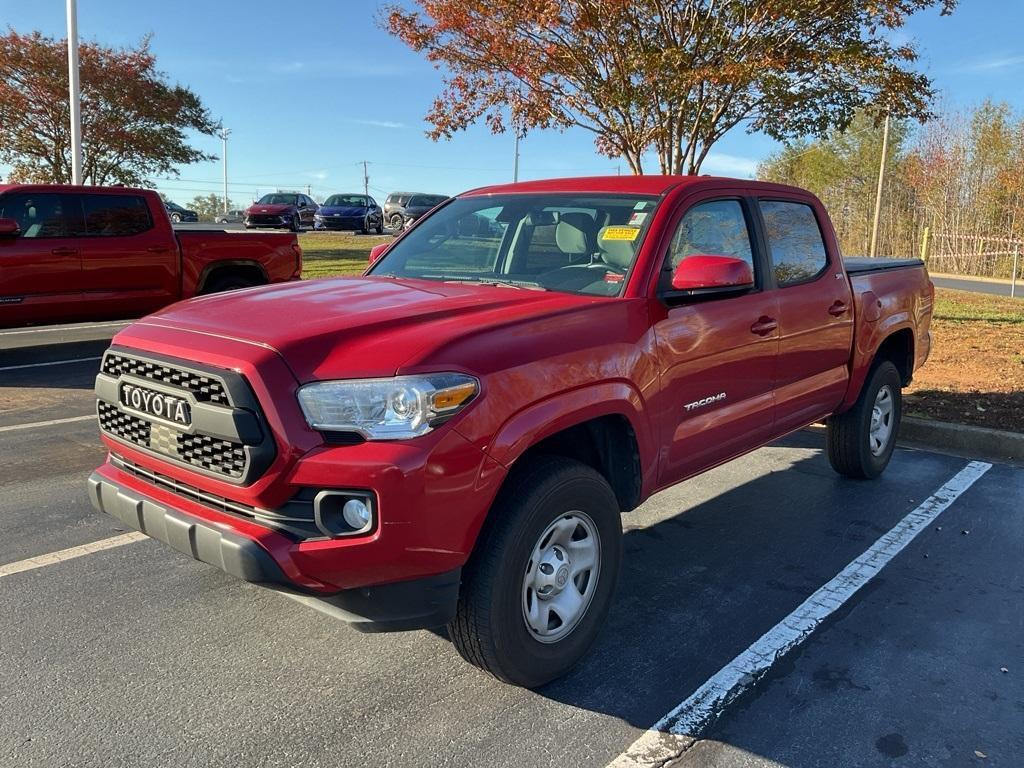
pixel 991 63
pixel 318 175
pixel 375 123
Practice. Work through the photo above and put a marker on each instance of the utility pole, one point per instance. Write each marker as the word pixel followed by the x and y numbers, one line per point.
pixel 515 165
pixel 224 133
pixel 366 179
pixel 878 193
pixel 309 190
pixel 74 95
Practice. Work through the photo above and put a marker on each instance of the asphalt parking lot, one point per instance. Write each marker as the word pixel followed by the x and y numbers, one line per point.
pixel 133 655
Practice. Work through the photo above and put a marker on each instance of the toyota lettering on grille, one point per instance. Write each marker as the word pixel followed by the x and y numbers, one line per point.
pixel 167 407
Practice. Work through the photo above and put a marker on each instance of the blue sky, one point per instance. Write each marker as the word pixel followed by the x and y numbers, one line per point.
pixel 311 89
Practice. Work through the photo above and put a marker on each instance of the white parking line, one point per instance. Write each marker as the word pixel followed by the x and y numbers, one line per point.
pixel 50 423
pixel 70 553
pixel 65 329
pixel 676 732
pixel 52 362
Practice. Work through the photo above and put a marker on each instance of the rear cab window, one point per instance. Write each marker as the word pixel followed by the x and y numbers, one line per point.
pixel 114 215
pixel 796 246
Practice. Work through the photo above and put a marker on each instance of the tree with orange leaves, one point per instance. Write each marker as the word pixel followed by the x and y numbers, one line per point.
pixel 134 122
pixel 668 76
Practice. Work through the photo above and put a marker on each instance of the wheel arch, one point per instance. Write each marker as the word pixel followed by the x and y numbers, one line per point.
pixel 230 267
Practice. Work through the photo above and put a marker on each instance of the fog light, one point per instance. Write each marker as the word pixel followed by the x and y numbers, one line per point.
pixel 356 514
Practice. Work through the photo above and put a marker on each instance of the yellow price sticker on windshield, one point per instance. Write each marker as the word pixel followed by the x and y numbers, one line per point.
pixel 620 233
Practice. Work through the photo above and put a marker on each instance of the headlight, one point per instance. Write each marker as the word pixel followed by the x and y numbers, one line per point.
pixel 318 217
pixel 387 409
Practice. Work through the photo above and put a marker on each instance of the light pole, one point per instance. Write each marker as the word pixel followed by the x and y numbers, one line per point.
pixel 74 97
pixel 224 133
pixel 878 193
pixel 515 165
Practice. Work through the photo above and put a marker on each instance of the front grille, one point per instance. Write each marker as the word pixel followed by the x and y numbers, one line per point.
pixel 204 388
pixel 212 454
pixel 266 220
pixel 237 448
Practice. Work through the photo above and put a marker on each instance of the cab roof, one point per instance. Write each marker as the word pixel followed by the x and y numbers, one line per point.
pixel 628 185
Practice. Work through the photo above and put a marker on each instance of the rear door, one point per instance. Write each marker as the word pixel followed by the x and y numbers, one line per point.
pixel 129 263
pixel 815 311
pixel 40 268
pixel 717 354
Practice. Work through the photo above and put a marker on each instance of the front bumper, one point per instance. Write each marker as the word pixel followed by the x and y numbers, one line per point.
pixel 342 222
pixel 414 604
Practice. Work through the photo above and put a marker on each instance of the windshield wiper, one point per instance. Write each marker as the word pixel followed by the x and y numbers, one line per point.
pixel 524 284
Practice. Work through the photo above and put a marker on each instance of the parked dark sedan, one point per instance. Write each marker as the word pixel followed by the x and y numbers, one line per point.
pixel 416 207
pixel 351 212
pixel 291 210
pixel 178 214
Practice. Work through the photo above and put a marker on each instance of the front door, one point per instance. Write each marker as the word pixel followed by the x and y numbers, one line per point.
pixel 40 267
pixel 717 354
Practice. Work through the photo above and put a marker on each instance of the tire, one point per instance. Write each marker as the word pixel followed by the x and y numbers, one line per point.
pixel 365 229
pixel 176 218
pixel 540 503
pixel 296 223
pixel 227 283
pixel 861 440
pixel 379 229
pixel 396 222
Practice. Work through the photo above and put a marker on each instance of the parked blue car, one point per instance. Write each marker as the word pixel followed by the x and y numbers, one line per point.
pixel 356 211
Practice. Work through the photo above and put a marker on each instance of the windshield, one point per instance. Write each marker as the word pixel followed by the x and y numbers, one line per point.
pixel 173 206
pixel 278 199
pixel 346 201
pixel 572 243
pixel 426 201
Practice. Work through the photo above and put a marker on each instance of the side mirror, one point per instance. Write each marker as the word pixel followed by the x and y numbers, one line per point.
pixel 702 274
pixel 9 228
pixel 377 251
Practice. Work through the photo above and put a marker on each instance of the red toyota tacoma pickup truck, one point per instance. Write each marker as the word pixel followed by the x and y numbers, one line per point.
pixel 87 253
pixel 451 438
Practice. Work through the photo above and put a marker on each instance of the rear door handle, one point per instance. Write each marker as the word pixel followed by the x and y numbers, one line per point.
pixel 764 325
pixel 64 252
pixel 838 309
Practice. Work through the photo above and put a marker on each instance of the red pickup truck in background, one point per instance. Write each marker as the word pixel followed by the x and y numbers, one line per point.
pixel 86 253
pixel 451 438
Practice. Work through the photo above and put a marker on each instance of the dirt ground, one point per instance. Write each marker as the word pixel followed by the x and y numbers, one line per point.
pixel 975 374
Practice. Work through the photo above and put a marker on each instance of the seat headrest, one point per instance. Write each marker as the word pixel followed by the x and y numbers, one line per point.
pixel 573 233
pixel 616 251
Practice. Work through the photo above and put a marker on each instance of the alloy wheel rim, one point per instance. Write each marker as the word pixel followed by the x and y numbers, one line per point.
pixel 561 577
pixel 881 427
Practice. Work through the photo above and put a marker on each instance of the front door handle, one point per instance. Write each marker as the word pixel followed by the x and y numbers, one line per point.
pixel 838 308
pixel 157 249
pixel 64 252
pixel 764 325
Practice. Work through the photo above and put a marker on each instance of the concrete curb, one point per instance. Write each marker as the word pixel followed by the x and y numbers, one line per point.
pixel 974 442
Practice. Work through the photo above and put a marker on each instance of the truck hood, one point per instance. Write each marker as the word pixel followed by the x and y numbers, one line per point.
pixel 361 327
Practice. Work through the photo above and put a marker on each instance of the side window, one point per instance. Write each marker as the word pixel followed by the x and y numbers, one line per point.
pixel 794 241
pixel 115 215
pixel 38 215
pixel 716 228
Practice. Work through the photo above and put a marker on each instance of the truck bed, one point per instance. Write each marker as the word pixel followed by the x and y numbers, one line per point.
pixel 856 265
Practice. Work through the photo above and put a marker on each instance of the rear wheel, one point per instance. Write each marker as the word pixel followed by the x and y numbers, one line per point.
pixel 227 283
pixel 539 585
pixel 861 440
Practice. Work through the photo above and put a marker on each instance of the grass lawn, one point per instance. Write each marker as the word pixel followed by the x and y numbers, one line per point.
pixel 329 254
pixel 975 374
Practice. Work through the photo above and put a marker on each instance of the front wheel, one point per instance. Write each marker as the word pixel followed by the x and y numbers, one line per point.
pixel 296 223
pixel 397 223
pixel 539 585
pixel 861 440
pixel 176 218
